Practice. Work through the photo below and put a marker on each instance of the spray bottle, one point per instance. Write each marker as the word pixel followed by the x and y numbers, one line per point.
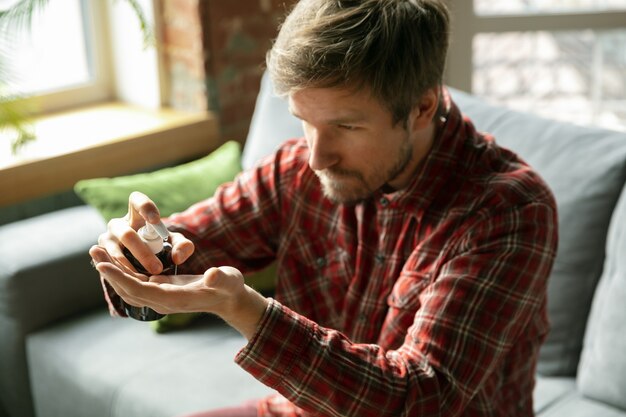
pixel 156 236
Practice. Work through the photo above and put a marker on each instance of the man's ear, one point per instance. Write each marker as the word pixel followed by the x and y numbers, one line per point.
pixel 423 113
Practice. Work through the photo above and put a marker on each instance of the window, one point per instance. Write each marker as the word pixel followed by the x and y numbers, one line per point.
pixel 64 62
pixel 494 7
pixel 59 58
pixel 563 59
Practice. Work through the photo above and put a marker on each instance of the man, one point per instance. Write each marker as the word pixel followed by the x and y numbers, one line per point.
pixel 412 251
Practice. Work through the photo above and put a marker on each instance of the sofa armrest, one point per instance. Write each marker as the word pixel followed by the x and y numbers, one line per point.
pixel 45 275
pixel 45 271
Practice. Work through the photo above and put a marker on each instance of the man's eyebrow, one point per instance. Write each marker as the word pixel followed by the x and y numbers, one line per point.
pixel 346 121
pixel 350 117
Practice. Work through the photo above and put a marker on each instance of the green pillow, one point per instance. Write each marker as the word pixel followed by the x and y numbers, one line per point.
pixel 174 322
pixel 172 189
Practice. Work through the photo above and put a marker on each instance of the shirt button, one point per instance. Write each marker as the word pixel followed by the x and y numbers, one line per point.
pixel 384 201
pixel 363 317
pixel 380 258
pixel 321 262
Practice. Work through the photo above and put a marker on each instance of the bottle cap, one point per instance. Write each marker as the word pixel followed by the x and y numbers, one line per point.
pixel 152 231
pixel 152 235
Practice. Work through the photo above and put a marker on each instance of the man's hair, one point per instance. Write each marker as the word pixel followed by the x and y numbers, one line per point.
pixel 394 48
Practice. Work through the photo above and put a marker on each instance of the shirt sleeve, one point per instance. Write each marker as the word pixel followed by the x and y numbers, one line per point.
pixel 470 315
pixel 237 226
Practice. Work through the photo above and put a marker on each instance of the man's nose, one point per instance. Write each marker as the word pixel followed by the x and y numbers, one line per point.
pixel 321 153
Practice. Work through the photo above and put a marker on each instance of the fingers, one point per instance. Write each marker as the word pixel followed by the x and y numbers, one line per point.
pixel 211 292
pixel 121 234
pixel 111 245
pixel 224 278
pixel 99 254
pixel 132 290
pixel 116 279
pixel 141 209
pixel 231 271
pixel 182 248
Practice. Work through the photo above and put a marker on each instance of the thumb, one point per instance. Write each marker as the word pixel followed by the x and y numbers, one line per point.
pixel 222 277
pixel 229 270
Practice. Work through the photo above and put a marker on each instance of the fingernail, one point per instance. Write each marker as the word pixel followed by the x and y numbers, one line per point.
pixel 153 217
pixel 156 268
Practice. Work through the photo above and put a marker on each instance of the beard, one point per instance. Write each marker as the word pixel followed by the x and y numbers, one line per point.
pixel 352 187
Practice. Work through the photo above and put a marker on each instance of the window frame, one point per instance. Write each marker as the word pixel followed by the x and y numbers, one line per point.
pixel 112 69
pixel 101 87
pixel 467 24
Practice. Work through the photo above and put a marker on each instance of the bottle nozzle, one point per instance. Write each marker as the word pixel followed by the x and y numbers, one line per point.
pixel 151 231
pixel 161 230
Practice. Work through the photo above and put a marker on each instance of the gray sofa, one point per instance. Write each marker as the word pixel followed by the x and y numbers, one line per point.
pixel 62 355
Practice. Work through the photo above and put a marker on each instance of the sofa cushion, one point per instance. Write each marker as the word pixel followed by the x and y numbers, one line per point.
pixel 106 367
pixel 45 275
pixel 586 169
pixel 271 125
pixel 550 390
pixel 575 405
pixel 602 371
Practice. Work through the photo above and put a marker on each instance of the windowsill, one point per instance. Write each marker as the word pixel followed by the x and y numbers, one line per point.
pixel 104 140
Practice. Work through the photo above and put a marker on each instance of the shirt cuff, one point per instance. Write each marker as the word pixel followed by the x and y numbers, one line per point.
pixel 276 346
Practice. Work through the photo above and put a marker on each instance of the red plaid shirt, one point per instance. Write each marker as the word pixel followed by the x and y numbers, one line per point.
pixel 429 301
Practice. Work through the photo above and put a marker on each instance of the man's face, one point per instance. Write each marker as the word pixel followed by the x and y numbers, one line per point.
pixel 354 146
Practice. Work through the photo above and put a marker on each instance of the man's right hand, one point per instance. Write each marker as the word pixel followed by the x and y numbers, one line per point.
pixel 122 232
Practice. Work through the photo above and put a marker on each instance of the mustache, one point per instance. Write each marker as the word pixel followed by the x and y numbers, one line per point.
pixel 338 173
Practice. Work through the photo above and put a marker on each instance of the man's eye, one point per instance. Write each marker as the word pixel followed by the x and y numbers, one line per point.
pixel 347 127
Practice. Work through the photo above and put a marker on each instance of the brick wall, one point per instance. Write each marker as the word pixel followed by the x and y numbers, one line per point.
pixel 183 53
pixel 215 54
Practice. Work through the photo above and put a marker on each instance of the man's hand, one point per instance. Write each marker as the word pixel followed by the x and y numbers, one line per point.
pixel 220 291
pixel 122 232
